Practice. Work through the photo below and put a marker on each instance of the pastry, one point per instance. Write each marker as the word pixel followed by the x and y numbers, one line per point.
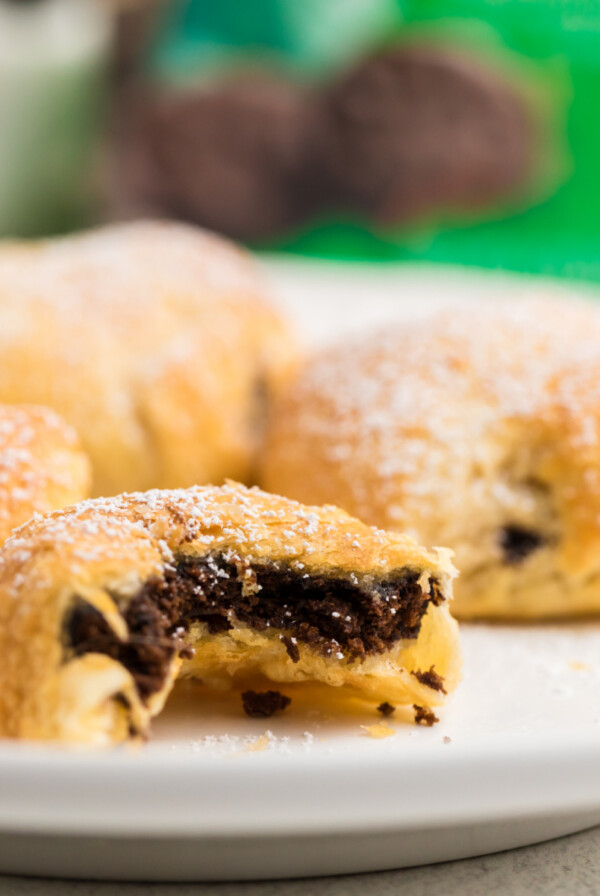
pixel 42 466
pixel 415 130
pixel 154 340
pixel 103 604
pixel 477 428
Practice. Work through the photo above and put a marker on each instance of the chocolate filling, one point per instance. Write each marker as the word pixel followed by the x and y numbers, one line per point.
pixel 335 616
pixel 291 646
pixel 424 716
pixel 148 650
pixel 518 543
pixel 264 704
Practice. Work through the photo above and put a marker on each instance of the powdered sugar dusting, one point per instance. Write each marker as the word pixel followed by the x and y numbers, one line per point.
pixel 427 397
pixel 40 464
pixel 236 745
pixel 116 266
pixel 238 523
pixel 128 332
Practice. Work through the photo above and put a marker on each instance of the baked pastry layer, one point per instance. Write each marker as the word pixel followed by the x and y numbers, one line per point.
pixel 478 428
pixel 104 604
pixel 155 341
pixel 42 466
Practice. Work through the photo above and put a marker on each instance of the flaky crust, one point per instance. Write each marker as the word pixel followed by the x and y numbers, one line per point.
pixel 154 340
pixel 104 551
pixel 42 466
pixel 455 428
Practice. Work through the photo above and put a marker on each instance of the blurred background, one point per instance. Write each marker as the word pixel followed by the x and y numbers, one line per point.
pixel 458 131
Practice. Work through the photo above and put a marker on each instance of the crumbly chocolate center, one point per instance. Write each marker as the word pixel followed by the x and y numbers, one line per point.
pixel 148 650
pixel 344 617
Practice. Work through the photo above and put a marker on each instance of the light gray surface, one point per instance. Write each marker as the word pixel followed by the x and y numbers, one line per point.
pixel 570 865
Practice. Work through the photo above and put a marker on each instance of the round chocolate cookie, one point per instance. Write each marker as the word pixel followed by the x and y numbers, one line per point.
pixel 232 156
pixel 418 129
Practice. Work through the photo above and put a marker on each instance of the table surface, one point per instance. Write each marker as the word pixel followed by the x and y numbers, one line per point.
pixel 568 865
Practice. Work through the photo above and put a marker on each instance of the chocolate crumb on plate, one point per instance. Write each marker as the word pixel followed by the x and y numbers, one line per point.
pixel 263 704
pixel 430 679
pixel 424 716
pixel 386 709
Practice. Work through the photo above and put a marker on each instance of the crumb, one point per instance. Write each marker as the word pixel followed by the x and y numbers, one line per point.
pixel 378 731
pixel 186 652
pixel 133 747
pixel 292 648
pixel 446 739
pixel 430 679
pixel 424 716
pixel 578 666
pixel 259 745
pixel 262 705
pixel 386 709
pixel 308 739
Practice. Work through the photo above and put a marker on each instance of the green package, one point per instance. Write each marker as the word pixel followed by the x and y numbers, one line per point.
pixel 549 48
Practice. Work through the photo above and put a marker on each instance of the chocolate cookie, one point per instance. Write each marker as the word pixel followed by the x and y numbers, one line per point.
pixel 234 156
pixel 418 130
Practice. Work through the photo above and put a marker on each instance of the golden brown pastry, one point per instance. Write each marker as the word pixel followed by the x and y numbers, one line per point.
pixel 475 428
pixel 42 466
pixel 102 605
pixel 154 340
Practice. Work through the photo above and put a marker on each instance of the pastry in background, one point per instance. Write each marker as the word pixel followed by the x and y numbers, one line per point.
pixel 475 428
pixel 156 341
pixel 42 466
pixel 103 605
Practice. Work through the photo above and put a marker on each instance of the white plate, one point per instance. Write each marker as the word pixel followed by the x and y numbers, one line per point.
pixel 515 758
